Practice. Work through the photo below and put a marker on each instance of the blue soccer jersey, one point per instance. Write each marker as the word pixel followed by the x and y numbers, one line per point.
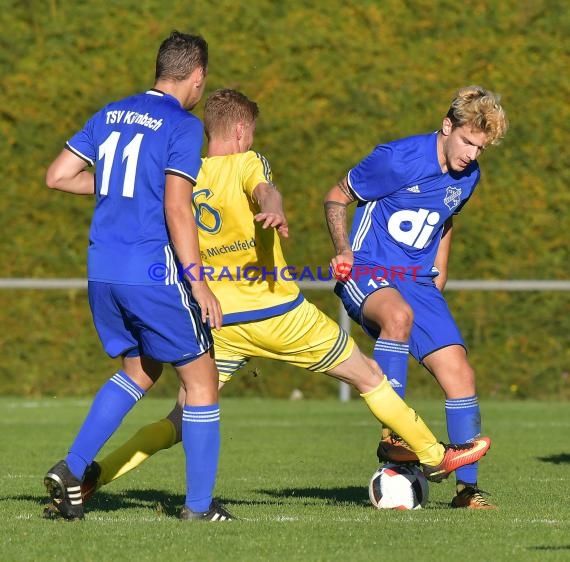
pixel 133 143
pixel 404 200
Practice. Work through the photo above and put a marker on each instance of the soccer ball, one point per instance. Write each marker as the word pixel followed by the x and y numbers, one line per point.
pixel 398 486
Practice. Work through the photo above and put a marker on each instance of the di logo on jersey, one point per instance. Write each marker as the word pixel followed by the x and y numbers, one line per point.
pixel 413 228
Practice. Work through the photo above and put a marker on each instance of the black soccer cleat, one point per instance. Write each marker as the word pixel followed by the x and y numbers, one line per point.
pixel 64 489
pixel 471 497
pixel 215 513
pixel 90 482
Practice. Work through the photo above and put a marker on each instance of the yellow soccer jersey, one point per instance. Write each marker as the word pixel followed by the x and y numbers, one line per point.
pixel 243 263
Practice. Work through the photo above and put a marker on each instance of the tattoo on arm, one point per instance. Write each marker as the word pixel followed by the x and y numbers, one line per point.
pixel 345 188
pixel 335 214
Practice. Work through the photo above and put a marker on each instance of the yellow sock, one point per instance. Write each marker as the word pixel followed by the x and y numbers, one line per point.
pixel 393 412
pixel 147 441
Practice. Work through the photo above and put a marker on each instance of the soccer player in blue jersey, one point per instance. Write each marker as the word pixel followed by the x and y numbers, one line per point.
pixel 393 266
pixel 266 315
pixel 147 153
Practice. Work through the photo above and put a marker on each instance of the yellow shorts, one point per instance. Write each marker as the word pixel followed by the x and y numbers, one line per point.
pixel 304 337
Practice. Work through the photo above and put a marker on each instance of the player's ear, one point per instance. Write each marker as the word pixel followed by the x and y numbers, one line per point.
pixel 240 129
pixel 198 76
pixel 446 126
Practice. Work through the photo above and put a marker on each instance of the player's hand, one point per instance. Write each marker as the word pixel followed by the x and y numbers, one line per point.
pixel 274 220
pixel 341 265
pixel 209 304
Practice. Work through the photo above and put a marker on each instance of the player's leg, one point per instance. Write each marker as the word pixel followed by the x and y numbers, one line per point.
pixel 147 441
pixel 389 315
pixel 308 338
pixel 164 433
pixel 438 460
pixel 386 312
pixel 383 313
pixel 111 404
pixel 386 406
pixel 172 330
pixel 113 401
pixel 196 436
pixel 200 431
pixel 437 343
pixel 456 377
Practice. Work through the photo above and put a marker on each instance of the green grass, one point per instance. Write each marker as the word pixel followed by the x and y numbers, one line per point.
pixel 296 475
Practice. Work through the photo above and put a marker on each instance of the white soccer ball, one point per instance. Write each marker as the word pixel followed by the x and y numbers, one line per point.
pixel 398 486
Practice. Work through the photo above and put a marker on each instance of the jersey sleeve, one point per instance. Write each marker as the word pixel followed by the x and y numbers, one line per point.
pixel 377 175
pixel 185 147
pixel 82 144
pixel 255 170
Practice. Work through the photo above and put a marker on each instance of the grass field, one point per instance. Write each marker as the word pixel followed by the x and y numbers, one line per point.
pixel 296 475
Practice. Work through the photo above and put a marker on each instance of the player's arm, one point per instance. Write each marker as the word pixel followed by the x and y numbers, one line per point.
pixel 336 203
pixel 442 256
pixel 183 231
pixel 271 208
pixel 67 173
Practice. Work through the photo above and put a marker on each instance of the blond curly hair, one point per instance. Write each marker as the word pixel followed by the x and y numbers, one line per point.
pixel 480 108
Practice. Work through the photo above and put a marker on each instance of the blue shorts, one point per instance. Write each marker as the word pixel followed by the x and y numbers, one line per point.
pixel 433 327
pixel 162 322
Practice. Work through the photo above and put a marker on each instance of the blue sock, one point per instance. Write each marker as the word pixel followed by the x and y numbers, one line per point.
pixel 392 356
pixel 463 426
pixel 201 442
pixel 111 404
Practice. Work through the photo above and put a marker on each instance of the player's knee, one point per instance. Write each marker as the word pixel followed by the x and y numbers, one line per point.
pixel 398 323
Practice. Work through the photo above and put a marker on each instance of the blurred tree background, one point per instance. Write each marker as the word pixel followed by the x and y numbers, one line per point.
pixel 333 79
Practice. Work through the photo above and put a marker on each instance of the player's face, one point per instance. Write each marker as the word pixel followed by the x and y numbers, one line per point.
pixel 461 146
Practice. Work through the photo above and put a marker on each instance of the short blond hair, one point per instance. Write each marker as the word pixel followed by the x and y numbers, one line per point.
pixel 224 108
pixel 480 108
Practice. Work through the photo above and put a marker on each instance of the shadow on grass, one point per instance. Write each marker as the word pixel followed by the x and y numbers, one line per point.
pixel 163 503
pixel 556 459
pixel 160 502
pixel 350 495
pixel 331 496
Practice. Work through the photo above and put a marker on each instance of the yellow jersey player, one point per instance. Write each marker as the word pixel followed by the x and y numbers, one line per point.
pixel 240 220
